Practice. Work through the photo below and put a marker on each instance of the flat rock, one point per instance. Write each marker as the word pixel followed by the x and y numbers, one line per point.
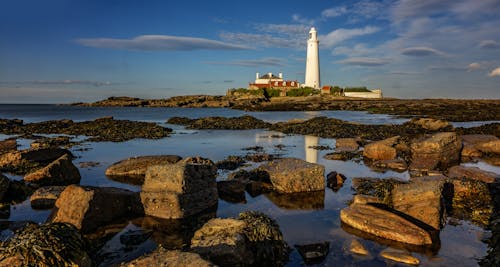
pixel 438 151
pixel 490 147
pixel 384 224
pixel 346 144
pixel 364 199
pixel 293 175
pixel 381 150
pixel 357 248
pixel 314 253
pixel 134 169
pixel 399 256
pixel 45 197
pixel 169 258
pixel 88 208
pixel 60 172
pixel 393 164
pixel 471 143
pixel 431 124
pixel 473 173
pixel 8 145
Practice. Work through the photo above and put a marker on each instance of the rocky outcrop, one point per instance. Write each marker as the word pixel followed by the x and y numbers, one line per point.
pixel 291 175
pixel 169 258
pixel 472 142
pixel 54 244
pixel 473 173
pixel 8 145
pixel 421 199
pixel 230 163
pixel 4 186
pixel 346 144
pixel 438 151
pixel 384 224
pixel 492 147
pixel 88 208
pixel 232 191
pixel 381 150
pixel 22 162
pixel 314 200
pixel 235 123
pixel 180 190
pixel 432 124
pixel 45 197
pixel 133 170
pixel 60 172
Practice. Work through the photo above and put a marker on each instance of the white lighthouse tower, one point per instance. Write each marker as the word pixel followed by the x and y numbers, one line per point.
pixel 312 62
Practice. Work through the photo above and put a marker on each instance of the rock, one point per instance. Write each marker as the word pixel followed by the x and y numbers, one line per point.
pixel 357 248
pixel 256 188
pixel 293 175
pixel 471 143
pixel 381 150
pixel 4 186
pixel 298 201
pixel 342 155
pixel 223 242
pixel 230 163
pixel 88 207
pixel 439 151
pixel 346 144
pixel 364 199
pixel 169 258
pixel 473 173
pixel 63 241
pixel 245 176
pixel 399 256
pixel 259 157
pixel 13 261
pixel 133 170
pixel 470 200
pixel 314 253
pixel 335 180
pixel 180 190
pixel 8 145
pixel 235 123
pixel 490 147
pixel 384 224
pixel 231 191
pixel 431 124
pixel 22 162
pixel 60 172
pixel 45 197
pixel 393 164
pixel 380 188
pixel 51 142
pixel 421 199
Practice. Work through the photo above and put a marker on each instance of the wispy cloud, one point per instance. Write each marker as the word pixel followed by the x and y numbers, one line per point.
pixel 495 72
pixel 365 61
pixel 334 12
pixel 160 43
pixel 421 51
pixel 277 62
pixel 490 44
pixel 62 82
pixel 340 35
pixel 474 66
pixel 298 18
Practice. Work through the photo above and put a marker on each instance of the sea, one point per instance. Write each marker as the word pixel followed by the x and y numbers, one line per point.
pixel 306 220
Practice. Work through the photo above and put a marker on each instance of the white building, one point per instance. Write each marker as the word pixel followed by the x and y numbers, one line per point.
pixel 312 62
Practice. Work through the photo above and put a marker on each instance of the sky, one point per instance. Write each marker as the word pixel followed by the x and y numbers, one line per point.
pixel 56 51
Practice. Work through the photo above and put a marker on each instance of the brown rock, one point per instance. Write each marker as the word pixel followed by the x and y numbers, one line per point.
pixel 134 169
pixel 439 151
pixel 180 190
pixel 490 147
pixel 364 199
pixel 45 197
pixel 399 256
pixel 394 164
pixel 14 261
pixel 88 208
pixel 357 248
pixel 346 144
pixel 381 150
pixel 335 180
pixel 470 200
pixel 431 124
pixel 473 173
pixel 4 186
pixel 471 143
pixel 384 224
pixel 44 156
pixel 60 172
pixel 293 175
pixel 8 145
pixel 169 258
pixel 223 242
pixel 421 199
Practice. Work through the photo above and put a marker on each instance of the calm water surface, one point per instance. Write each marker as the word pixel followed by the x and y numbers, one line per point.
pixel 311 219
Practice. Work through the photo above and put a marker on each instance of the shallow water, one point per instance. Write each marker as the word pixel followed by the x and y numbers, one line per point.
pixel 302 220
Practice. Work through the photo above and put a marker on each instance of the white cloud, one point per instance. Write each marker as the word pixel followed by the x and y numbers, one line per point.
pixel 160 43
pixel 357 50
pixel 276 62
pixel 365 61
pixel 495 72
pixel 340 35
pixel 298 18
pixel 291 30
pixel 420 51
pixel 491 44
pixel 473 66
pixel 334 12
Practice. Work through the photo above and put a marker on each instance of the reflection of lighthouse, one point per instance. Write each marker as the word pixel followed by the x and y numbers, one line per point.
pixel 311 153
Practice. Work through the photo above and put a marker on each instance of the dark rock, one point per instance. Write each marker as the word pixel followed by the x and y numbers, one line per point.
pixel 298 201
pixel 473 173
pixel 393 164
pixel 230 163
pixel 252 175
pixel 231 191
pixel 133 170
pixel 45 197
pixel 380 188
pixel 335 180
pixel 22 162
pixel 8 145
pixel 169 258
pixel 292 175
pixel 60 172
pixel 180 120
pixel 314 253
pixel 256 188
pixel 88 208
pixel 236 123
pixel 4 186
pixel 343 155
pixel 260 157
pixel 51 142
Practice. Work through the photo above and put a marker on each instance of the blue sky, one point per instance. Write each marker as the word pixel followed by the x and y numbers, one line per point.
pixel 67 51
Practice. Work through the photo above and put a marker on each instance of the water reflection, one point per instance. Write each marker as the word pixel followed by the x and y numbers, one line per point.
pixel 298 201
pixel 310 144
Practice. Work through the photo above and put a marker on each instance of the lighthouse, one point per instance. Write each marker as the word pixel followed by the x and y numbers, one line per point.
pixel 312 61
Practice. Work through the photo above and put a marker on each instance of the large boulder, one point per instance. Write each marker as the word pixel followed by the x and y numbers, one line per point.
pixel 45 197
pixel 134 169
pixel 4 186
pixel 472 142
pixel 291 175
pixel 431 124
pixel 473 173
pixel 384 224
pixel 180 190
pixel 492 147
pixel 54 244
pixel 88 208
pixel 438 151
pixel 8 145
pixel 60 172
pixel 421 199
pixel 169 258
pixel 22 162
pixel 381 150
pixel 346 144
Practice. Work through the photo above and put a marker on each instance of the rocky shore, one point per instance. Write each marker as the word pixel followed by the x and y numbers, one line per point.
pixel 446 109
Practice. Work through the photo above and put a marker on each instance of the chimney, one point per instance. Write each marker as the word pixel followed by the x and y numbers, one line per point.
pixel 270 75
pixel 256 75
pixel 280 75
